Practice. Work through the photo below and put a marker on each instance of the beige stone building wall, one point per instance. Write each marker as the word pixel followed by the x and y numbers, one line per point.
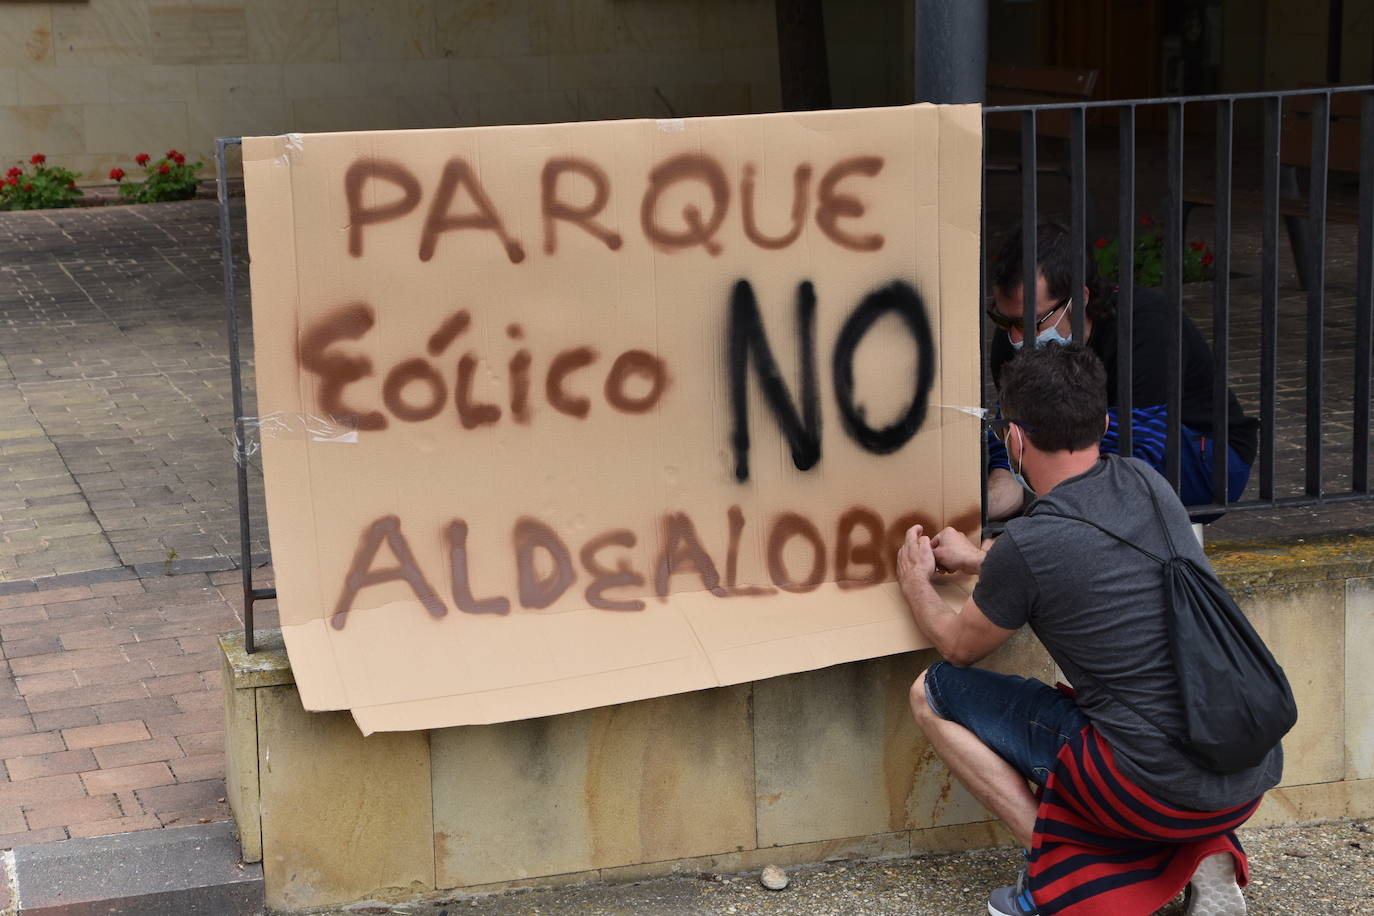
pixel 91 84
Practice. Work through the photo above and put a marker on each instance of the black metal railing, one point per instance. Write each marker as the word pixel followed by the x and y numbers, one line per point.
pixel 1287 118
pixel 1278 186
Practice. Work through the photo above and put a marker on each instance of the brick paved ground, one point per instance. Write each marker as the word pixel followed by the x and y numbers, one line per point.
pixel 110 713
pixel 115 418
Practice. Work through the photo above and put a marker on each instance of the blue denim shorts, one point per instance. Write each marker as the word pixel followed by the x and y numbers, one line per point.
pixel 1024 720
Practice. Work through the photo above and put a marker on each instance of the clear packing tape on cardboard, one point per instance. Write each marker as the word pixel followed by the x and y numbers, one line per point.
pixel 281 425
pixel 636 411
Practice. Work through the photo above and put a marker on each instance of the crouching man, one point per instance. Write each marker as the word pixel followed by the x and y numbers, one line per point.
pixel 1121 820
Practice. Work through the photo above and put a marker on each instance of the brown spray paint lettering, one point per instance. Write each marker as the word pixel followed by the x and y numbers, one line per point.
pixel 461 203
pixel 415 389
pixel 682 560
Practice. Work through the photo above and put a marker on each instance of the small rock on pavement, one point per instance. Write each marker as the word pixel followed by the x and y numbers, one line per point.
pixel 774 878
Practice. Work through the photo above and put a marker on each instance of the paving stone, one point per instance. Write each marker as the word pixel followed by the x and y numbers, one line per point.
pixel 201 744
pixel 102 735
pixel 75 811
pixel 99 697
pixel 34 743
pixel 54 764
pixel 32 837
pixel 139 707
pixel 120 673
pixel 19 725
pixel 68 661
pixel 71 717
pixel 178 684
pixel 100 782
pixel 42 645
pixel 89 639
pixel 43 789
pixel 114 825
pixel 181 664
pixel 113 756
pixel 46 683
pixel 191 723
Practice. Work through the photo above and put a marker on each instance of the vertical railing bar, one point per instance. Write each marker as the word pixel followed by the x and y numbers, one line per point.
pixel 1173 291
pixel 982 323
pixel 1316 274
pixel 1221 307
pixel 1364 299
pixel 231 310
pixel 1030 226
pixel 1078 218
pixel 1269 298
pixel 1125 300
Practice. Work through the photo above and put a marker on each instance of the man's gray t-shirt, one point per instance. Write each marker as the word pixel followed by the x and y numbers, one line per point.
pixel 1099 605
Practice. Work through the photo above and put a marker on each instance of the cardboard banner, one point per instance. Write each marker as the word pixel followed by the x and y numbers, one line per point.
pixel 559 416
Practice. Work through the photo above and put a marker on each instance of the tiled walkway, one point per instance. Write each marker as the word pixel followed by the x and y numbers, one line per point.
pixel 110 712
pixel 115 417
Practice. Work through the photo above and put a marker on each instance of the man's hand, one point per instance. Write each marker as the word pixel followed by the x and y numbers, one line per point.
pixel 915 561
pixel 963 637
pixel 955 553
pixel 1005 495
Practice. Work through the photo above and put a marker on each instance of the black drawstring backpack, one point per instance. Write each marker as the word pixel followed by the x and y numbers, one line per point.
pixel 1237 704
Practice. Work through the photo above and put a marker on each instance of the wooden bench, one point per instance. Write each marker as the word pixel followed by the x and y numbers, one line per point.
pixel 1023 84
pixel 1295 152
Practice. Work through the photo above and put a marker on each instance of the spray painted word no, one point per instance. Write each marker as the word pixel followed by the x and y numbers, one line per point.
pixel 696 186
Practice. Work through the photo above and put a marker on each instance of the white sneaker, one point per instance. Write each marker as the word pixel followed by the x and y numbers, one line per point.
pixel 1213 890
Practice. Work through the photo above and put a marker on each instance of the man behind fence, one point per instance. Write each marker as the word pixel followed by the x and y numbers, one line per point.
pixel 1121 820
pixel 1150 329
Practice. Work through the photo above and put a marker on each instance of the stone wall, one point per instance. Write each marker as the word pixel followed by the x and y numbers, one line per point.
pixel 91 84
pixel 804 768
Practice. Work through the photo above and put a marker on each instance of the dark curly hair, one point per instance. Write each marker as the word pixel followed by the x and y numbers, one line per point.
pixel 1055 256
pixel 1057 391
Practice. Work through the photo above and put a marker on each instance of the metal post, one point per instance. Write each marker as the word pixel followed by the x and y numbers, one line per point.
pixel 231 311
pixel 802 60
pixel 1221 309
pixel 951 51
pixel 1173 292
pixel 1125 299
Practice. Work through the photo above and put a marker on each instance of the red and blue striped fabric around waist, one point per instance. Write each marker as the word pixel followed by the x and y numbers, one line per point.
pixel 1103 845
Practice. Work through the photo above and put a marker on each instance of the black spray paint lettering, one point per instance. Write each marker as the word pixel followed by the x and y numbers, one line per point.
pixel 747 341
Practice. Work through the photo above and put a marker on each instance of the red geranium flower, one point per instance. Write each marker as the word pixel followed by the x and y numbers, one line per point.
pixel 142 158
pixel 38 159
pixel 171 154
pixel 1197 246
pixel 1207 259
pixel 164 169
pixel 28 186
pixel 179 159
pixel 1101 243
pixel 14 171
pixel 117 174
pixel 13 180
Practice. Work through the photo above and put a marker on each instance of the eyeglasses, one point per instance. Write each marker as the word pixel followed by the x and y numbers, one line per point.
pixel 1001 425
pixel 1019 324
